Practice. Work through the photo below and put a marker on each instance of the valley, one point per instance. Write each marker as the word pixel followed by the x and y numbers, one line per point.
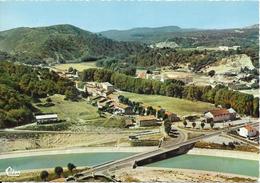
pixel 146 90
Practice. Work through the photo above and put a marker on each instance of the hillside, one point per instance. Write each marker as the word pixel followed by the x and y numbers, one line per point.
pixel 60 43
pixel 188 37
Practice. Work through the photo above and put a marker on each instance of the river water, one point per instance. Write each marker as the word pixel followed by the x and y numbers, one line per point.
pixel 196 162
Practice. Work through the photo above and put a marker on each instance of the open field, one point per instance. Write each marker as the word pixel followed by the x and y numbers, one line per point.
pixel 179 106
pixel 78 66
pixel 78 115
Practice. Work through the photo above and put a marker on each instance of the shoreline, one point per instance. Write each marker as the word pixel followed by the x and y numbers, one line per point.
pixel 225 153
pixel 199 172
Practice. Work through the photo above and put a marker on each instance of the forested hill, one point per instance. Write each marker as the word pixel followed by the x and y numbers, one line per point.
pixel 59 43
pixel 20 85
pixel 188 37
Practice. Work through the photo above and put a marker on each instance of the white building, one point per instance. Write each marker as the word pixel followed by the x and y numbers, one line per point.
pixel 247 131
pixel 107 86
pixel 46 118
pixel 221 115
pixel 223 48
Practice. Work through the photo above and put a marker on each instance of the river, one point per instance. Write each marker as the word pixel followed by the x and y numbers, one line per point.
pixel 196 162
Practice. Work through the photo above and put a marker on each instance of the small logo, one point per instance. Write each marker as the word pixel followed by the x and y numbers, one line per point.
pixel 12 172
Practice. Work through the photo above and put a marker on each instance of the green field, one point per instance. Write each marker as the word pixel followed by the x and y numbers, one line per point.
pixel 79 114
pixel 179 106
pixel 78 66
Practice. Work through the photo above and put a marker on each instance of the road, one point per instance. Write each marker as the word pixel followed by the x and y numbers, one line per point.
pixel 129 161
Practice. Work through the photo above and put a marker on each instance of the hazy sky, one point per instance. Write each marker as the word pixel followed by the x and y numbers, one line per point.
pixel 98 16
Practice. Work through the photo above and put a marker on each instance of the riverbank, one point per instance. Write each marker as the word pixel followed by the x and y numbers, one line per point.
pixel 151 174
pixel 225 153
pixel 56 151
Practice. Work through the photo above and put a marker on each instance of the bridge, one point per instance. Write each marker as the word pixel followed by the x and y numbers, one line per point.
pixel 155 155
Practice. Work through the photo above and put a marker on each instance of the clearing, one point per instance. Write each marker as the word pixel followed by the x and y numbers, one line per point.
pixel 79 115
pixel 181 107
pixel 79 66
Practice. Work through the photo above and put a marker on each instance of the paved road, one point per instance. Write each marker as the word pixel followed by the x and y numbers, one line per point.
pixel 130 160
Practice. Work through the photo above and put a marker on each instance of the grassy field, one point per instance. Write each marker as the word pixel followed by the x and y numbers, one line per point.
pixel 179 106
pixel 78 114
pixel 78 66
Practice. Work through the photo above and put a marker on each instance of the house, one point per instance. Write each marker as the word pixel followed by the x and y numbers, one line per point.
pixel 219 115
pixel 142 121
pixel 172 117
pixel 223 48
pixel 122 108
pixel 108 87
pixel 233 113
pixel 141 75
pixel 247 131
pixel 46 118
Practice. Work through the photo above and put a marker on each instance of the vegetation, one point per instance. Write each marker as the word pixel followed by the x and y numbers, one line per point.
pixel 44 175
pixel 20 86
pixel 220 95
pixel 71 167
pixel 188 37
pixel 58 44
pixel 58 171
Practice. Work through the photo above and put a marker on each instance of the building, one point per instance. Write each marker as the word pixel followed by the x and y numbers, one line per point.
pixel 141 75
pixel 247 131
pixel 223 48
pixel 219 115
pixel 122 108
pixel 172 117
pixel 46 118
pixel 142 121
pixel 107 86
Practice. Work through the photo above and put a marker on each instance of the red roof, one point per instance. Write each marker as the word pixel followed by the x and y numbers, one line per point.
pixel 249 127
pixel 219 112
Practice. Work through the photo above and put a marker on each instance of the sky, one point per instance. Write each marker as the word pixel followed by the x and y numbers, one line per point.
pixel 99 16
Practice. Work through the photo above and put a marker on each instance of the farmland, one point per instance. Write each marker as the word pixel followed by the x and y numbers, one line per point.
pixel 179 106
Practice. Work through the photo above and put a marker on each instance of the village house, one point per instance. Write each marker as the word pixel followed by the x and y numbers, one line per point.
pixel 46 118
pixel 220 115
pixel 247 131
pixel 172 117
pixel 142 121
pixel 122 109
pixel 108 87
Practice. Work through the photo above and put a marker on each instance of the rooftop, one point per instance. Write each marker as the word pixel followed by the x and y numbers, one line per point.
pixel 107 84
pixel 146 118
pixel 249 127
pixel 46 116
pixel 217 112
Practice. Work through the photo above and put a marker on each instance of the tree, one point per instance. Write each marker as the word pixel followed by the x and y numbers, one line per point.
pixel 44 175
pixel 193 125
pixel 48 100
pixel 185 123
pixel 70 69
pixel 58 171
pixel 71 94
pixel 211 73
pixel 202 125
pixel 167 126
pixel 71 167
pixel 212 124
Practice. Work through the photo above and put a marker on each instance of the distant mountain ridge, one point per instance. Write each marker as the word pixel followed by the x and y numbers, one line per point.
pixel 184 36
pixel 59 43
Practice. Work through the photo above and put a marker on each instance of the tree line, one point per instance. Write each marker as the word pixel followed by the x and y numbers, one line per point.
pixel 220 95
